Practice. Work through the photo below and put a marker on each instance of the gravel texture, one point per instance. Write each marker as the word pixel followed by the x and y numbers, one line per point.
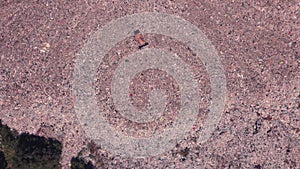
pixel 257 43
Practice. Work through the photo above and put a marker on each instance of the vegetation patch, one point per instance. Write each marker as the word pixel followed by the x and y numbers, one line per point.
pixel 27 151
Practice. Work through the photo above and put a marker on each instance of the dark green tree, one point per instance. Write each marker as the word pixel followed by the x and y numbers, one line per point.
pixel 3 163
pixel 8 136
pixel 79 163
pixel 37 152
pixel 27 151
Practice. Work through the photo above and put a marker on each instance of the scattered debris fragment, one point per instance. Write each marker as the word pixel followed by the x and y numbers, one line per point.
pixel 45 48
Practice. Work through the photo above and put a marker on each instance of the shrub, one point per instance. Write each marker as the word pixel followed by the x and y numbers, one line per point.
pixel 37 152
pixel 27 151
pixel 3 163
pixel 79 163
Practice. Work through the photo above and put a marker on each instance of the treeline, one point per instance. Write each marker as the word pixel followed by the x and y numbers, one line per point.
pixel 27 151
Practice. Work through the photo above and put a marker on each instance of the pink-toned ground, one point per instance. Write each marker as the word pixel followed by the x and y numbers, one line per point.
pixel 258 44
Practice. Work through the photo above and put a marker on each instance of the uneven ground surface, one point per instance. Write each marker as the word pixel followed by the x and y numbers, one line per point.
pixel 258 45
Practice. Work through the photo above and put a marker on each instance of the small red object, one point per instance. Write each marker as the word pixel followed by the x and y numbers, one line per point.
pixel 139 38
